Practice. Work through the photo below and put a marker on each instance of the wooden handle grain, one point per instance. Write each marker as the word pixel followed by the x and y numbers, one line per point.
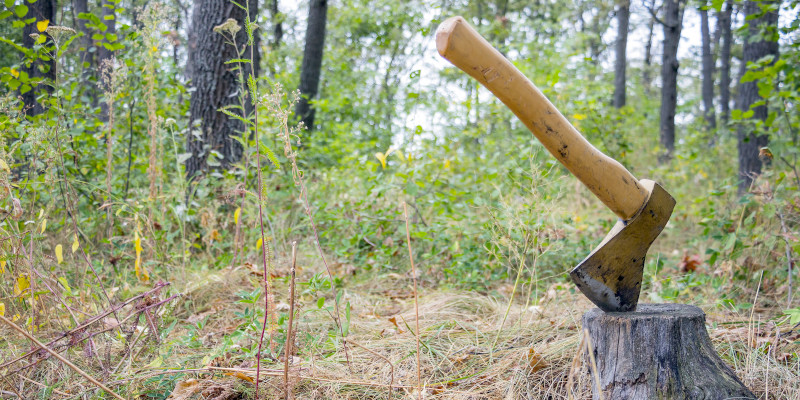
pixel 617 188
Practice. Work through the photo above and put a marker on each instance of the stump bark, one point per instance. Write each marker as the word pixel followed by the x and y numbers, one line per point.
pixel 660 351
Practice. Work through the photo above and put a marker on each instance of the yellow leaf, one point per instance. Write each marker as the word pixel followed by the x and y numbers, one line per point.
pixel 141 273
pixel 21 285
pixel 236 215
pixel 258 244
pixel 2 266
pixel 16 317
pixel 44 224
pixel 154 49
pixel 59 253
pixel 75 243
pixel 579 117
pixel 382 158
pixel 42 25
pixel 446 164
pixel 241 376
pixel 4 166
pixel 3 309
pixel 14 73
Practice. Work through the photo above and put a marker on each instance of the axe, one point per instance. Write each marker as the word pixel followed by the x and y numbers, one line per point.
pixel 611 276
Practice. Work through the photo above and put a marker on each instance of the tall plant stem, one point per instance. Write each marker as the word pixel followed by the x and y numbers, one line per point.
pixel 260 186
pixel 416 300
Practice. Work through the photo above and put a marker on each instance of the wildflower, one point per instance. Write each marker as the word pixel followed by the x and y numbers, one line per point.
pixel 230 26
pixel 56 32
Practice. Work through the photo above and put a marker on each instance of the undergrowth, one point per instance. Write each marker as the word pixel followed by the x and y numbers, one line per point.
pixel 166 287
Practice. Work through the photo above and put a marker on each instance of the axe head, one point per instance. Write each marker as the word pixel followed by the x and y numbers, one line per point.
pixel 611 276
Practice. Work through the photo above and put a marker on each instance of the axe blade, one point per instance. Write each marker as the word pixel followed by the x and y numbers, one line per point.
pixel 611 276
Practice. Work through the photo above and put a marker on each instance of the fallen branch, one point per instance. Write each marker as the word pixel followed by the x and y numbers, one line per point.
pixel 60 358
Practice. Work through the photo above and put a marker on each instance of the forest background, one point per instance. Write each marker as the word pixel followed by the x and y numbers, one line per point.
pixel 173 172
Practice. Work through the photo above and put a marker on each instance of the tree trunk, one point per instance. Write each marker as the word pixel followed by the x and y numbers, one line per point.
pixel 764 30
pixel 673 19
pixel 708 73
pixel 312 61
pixel 104 54
pixel 648 48
pixel 109 19
pixel 215 86
pixel 277 21
pixel 623 14
pixel 86 56
pixel 660 351
pixel 41 10
pixel 725 62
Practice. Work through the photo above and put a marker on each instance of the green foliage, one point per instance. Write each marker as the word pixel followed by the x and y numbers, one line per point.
pixel 487 205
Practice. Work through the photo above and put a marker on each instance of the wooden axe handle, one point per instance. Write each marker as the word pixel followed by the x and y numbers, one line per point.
pixel 617 188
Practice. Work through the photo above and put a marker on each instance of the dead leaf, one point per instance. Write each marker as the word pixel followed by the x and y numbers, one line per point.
pixel 393 320
pixel 242 376
pixel 689 263
pixel 535 360
pixel 184 389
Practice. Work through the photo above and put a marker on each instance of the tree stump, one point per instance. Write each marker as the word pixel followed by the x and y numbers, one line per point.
pixel 660 351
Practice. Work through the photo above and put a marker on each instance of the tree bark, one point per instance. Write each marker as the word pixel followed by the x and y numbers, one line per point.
pixel 761 41
pixel 215 86
pixel 109 19
pixel 673 19
pixel 725 62
pixel 708 72
pixel 312 61
pixel 87 56
pixel 277 21
pixel 648 48
pixel 660 351
pixel 623 15
pixel 39 69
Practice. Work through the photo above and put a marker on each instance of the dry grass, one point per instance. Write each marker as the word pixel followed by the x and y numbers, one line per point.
pixel 465 353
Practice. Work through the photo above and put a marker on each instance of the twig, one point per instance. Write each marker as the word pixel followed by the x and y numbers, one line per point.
pixel 789 258
pixel 88 337
pixel 391 366
pixel 60 358
pixel 793 167
pixel 416 300
pixel 574 366
pixel 289 336
pixel 43 385
pixel 92 320
pixel 130 146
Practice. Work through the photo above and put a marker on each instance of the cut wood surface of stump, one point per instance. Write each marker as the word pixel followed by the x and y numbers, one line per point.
pixel 660 351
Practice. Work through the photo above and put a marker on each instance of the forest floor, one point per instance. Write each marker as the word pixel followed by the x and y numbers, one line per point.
pixel 472 346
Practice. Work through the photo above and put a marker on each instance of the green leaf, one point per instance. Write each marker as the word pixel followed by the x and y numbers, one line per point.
pixel 270 155
pixel 730 242
pixel 346 323
pixel 232 115
pixel 238 60
pixel 5 14
pixel 320 302
pixel 21 10
pixel 9 3
pixel 111 37
pixel 251 84
pixel 97 36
